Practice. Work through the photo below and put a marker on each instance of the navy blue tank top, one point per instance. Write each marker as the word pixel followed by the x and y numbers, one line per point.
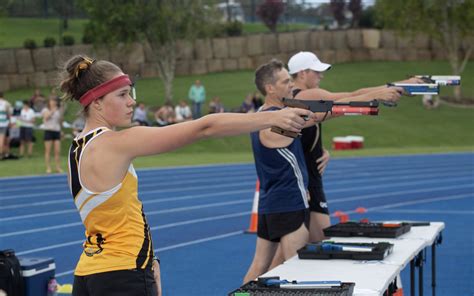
pixel 283 175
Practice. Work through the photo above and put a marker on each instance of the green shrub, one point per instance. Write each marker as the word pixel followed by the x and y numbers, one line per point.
pixel 234 28
pixel 68 40
pixel 49 42
pixel 29 44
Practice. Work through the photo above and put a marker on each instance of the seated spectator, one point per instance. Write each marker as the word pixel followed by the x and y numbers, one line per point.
pixel 215 106
pixel 140 115
pixel 165 115
pixel 38 101
pixel 247 105
pixel 183 112
pixel 257 100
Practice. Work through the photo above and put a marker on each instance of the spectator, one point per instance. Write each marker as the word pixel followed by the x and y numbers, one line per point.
pixel 165 115
pixel 430 101
pixel 247 105
pixel 27 120
pixel 52 117
pixel 257 100
pixel 140 115
pixel 17 108
pixel 5 113
pixel 78 125
pixel 215 106
pixel 197 95
pixel 37 101
pixel 183 112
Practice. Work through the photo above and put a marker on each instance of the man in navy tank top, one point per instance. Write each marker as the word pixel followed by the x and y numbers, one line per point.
pixel 283 215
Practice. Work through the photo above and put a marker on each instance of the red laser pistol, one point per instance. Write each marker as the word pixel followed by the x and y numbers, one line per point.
pixel 335 108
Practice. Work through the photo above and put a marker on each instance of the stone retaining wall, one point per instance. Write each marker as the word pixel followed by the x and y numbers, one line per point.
pixel 35 68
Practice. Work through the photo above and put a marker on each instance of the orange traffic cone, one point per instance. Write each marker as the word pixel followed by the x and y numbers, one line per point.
pixel 254 215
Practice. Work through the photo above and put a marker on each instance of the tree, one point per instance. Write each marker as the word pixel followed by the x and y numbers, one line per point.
pixel 450 22
pixel 337 8
pixel 4 6
pixel 159 23
pixel 64 10
pixel 269 12
pixel 355 6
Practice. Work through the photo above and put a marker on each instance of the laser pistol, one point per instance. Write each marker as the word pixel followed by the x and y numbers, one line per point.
pixel 336 108
pixel 412 89
pixel 445 80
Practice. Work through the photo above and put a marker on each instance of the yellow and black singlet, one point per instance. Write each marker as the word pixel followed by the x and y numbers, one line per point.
pixel 117 233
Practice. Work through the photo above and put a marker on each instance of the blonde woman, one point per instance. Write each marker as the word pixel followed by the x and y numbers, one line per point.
pixel 118 254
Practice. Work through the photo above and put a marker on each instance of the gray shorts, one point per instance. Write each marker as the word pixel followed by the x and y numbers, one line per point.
pixel 3 130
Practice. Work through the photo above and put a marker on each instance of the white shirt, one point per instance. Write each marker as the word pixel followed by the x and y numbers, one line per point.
pixel 27 117
pixel 5 111
pixel 54 121
pixel 182 112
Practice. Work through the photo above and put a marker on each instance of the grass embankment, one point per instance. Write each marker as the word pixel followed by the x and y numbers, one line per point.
pixel 14 31
pixel 409 128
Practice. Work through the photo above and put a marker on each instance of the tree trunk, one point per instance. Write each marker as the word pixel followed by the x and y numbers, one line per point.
pixel 166 66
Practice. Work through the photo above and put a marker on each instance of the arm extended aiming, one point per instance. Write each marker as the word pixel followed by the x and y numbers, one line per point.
pixel 336 108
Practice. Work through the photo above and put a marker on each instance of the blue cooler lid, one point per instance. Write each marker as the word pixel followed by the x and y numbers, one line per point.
pixel 34 265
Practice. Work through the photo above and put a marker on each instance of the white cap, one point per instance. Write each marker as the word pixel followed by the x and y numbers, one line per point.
pixel 305 60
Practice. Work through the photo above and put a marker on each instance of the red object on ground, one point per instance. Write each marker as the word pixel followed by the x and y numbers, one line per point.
pixel 341 143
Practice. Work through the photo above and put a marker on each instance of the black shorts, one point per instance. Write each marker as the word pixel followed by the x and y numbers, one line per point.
pixel 26 134
pixel 132 282
pixel 52 136
pixel 317 201
pixel 273 227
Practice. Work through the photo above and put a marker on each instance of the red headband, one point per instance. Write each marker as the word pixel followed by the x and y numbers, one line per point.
pixel 104 88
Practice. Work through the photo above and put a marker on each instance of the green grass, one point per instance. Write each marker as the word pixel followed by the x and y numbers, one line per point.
pixel 14 31
pixel 258 27
pixel 407 129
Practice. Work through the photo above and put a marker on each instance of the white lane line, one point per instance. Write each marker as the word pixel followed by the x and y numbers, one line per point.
pixel 441 212
pixel 151 213
pixel 378 195
pixel 193 178
pixel 146 202
pixel 327 183
pixel 172 247
pixel 79 242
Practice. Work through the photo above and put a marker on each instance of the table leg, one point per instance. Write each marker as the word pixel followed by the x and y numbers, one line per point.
pixel 412 277
pixel 420 273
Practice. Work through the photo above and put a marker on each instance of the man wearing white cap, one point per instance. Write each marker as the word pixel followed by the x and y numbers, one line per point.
pixel 307 72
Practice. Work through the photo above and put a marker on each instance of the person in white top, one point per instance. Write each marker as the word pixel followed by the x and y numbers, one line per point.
pixel 52 117
pixel 183 112
pixel 27 120
pixel 5 113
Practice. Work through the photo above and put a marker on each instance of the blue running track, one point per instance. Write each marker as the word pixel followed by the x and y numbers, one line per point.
pixel 198 215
